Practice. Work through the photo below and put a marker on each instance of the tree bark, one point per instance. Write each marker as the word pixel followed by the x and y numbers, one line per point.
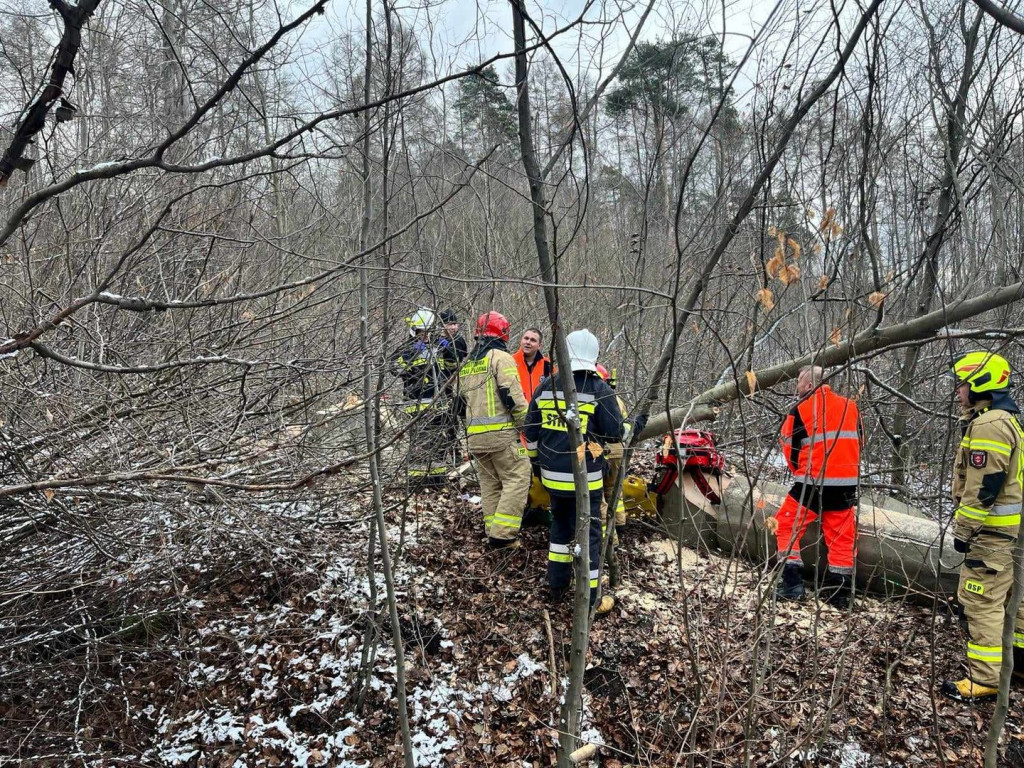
pixel 572 709
pixel 74 18
pixel 371 405
pixel 867 341
pixel 933 247
pixel 995 728
pixel 683 314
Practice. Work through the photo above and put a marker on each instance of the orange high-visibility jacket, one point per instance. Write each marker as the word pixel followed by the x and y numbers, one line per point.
pixel 821 439
pixel 530 375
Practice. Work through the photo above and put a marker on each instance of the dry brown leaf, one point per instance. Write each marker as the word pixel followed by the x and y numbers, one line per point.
pixel 794 247
pixel 826 220
pixel 581 451
pixel 765 299
pixel 772 524
pixel 49 415
pixel 789 274
pixel 772 231
pixel 823 282
pixel 836 337
pixel 596 449
pixel 751 382
pixel 48 493
pixel 876 299
pixel 774 264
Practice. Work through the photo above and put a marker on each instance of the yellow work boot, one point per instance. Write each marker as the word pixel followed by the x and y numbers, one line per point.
pixel 968 690
pixel 605 606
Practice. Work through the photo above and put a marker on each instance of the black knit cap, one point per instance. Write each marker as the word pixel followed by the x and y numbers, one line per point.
pixel 449 316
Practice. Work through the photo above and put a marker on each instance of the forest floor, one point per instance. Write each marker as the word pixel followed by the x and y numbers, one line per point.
pixel 695 666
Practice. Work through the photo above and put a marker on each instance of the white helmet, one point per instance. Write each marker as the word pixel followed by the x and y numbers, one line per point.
pixel 420 320
pixel 583 349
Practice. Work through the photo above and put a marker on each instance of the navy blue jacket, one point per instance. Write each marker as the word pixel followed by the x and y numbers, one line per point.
pixel 547 437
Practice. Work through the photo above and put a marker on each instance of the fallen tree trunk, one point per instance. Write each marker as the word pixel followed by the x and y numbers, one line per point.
pixel 702 407
pixel 899 553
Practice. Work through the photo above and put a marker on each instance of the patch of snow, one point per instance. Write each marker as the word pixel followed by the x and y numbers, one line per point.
pixel 852 756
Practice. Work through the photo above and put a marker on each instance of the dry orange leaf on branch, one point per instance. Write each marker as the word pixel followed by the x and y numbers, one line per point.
pixel 829 227
pixel 836 337
pixel 751 382
pixel 776 265
pixel 790 274
pixel 876 299
pixel 765 299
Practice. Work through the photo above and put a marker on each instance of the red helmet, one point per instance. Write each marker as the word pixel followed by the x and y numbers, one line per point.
pixel 603 372
pixel 492 324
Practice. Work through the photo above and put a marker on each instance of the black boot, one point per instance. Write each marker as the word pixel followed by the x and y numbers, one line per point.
pixel 791 586
pixel 837 590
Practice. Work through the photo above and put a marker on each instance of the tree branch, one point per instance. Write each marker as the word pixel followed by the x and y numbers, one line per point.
pixel 924 327
pixel 74 19
pixel 1001 15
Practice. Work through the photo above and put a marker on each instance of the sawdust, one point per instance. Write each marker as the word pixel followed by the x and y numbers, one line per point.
pixel 664 551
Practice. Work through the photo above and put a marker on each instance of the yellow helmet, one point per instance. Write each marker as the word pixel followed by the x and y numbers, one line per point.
pixel 984 371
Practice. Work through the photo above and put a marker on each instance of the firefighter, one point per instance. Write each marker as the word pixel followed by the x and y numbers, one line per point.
pixel 987 471
pixel 494 409
pixel 418 365
pixel 531 363
pixel 547 439
pixel 452 351
pixel 452 345
pixel 820 441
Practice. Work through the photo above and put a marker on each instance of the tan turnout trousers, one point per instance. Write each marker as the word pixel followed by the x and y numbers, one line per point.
pixel 986 578
pixel 504 481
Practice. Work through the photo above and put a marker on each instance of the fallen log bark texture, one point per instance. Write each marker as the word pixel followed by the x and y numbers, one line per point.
pixel 900 552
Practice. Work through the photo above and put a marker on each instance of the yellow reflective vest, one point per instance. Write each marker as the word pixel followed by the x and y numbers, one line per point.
pixel 494 403
pixel 987 473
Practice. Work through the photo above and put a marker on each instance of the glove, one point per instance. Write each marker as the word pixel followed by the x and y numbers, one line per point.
pixel 444 343
pixel 960 546
pixel 639 422
pixel 419 346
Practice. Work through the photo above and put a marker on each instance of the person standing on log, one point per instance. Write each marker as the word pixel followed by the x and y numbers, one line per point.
pixel 820 440
pixel 987 472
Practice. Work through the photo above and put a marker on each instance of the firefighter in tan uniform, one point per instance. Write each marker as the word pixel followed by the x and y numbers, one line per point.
pixel 987 495
pixel 494 411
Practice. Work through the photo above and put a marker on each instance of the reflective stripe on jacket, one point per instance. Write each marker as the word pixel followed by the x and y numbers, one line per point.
pixel 821 439
pixel 987 473
pixel 547 433
pixel 489 386
pixel 418 366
